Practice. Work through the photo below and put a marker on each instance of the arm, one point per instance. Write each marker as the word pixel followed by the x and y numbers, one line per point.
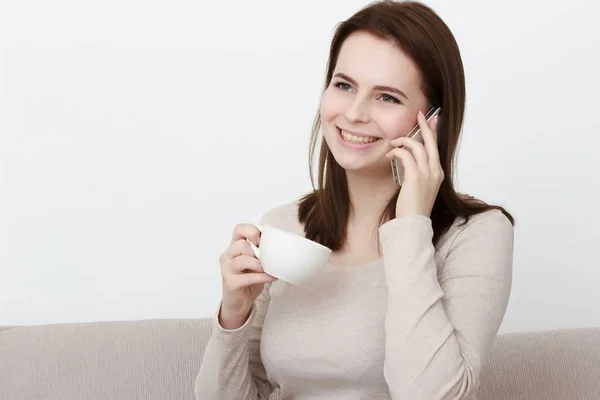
pixel 440 325
pixel 232 367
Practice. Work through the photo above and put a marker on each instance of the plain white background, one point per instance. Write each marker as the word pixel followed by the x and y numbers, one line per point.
pixel 134 136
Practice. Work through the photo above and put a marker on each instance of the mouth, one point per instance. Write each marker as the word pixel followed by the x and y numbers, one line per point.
pixel 356 138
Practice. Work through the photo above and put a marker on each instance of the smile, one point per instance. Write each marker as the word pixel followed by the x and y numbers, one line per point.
pixel 357 141
pixel 355 138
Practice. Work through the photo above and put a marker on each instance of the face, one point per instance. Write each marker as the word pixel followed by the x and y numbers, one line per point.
pixel 374 97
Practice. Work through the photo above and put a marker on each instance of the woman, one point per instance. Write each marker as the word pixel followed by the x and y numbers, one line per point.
pixel 419 278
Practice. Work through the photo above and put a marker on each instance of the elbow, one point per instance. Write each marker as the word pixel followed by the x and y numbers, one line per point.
pixel 463 387
pixel 460 383
pixel 206 385
pixel 202 386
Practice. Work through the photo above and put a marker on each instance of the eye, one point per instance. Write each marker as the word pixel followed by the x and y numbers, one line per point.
pixel 343 86
pixel 389 99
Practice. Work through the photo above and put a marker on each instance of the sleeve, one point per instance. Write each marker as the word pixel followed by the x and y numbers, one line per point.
pixel 440 324
pixel 232 367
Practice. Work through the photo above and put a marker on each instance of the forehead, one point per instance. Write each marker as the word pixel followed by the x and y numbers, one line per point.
pixel 373 61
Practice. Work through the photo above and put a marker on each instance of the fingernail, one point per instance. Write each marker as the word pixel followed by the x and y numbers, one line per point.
pixel 420 113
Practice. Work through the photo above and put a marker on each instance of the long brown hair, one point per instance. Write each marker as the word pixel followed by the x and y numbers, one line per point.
pixel 427 40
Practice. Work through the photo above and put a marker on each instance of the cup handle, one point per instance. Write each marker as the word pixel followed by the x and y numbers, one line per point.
pixel 255 249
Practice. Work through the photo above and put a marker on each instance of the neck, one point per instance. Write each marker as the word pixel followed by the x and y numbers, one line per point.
pixel 369 194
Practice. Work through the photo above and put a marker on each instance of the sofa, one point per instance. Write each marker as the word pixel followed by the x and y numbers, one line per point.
pixel 159 360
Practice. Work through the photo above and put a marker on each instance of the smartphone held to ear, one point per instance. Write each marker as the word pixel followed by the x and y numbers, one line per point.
pixel 415 133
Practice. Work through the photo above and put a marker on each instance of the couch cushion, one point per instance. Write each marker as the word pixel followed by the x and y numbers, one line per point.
pixel 159 360
pixel 145 360
pixel 550 365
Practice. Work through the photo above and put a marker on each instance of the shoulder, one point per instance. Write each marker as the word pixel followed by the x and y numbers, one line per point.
pixel 490 231
pixel 491 222
pixel 285 217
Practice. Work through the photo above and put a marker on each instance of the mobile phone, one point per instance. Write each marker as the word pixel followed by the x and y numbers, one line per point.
pixel 415 133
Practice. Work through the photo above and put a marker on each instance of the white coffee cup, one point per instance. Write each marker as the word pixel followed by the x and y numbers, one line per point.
pixel 289 257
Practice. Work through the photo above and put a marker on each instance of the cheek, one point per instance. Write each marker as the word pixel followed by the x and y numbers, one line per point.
pixel 332 104
pixel 397 125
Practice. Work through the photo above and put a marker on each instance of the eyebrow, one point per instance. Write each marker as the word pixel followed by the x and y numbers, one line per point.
pixel 378 87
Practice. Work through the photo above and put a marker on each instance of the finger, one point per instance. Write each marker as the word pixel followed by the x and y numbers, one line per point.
pixel 239 248
pixel 416 149
pixel 409 163
pixel 245 263
pixel 246 231
pixel 430 142
pixel 252 278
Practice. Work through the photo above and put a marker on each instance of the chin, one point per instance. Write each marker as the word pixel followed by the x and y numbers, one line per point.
pixel 352 165
pixel 363 168
pixel 351 162
pixel 352 159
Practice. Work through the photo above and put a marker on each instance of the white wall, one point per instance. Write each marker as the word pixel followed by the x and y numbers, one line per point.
pixel 134 135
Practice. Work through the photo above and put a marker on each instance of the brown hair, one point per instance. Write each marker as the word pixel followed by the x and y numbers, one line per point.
pixel 427 40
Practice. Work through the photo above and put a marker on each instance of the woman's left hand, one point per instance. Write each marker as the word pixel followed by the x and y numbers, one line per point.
pixel 423 173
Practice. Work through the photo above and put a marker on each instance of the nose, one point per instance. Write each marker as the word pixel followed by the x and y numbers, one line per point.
pixel 357 111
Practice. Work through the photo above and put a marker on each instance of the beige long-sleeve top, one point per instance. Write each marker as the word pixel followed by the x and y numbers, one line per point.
pixel 416 324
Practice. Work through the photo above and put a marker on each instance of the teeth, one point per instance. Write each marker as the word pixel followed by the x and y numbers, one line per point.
pixel 357 139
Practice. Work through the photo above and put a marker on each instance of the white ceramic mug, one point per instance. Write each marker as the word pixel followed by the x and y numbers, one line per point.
pixel 289 257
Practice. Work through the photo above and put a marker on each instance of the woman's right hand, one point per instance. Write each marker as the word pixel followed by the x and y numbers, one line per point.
pixel 243 277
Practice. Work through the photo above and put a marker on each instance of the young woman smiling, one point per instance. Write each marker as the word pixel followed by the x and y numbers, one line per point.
pixel 420 276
